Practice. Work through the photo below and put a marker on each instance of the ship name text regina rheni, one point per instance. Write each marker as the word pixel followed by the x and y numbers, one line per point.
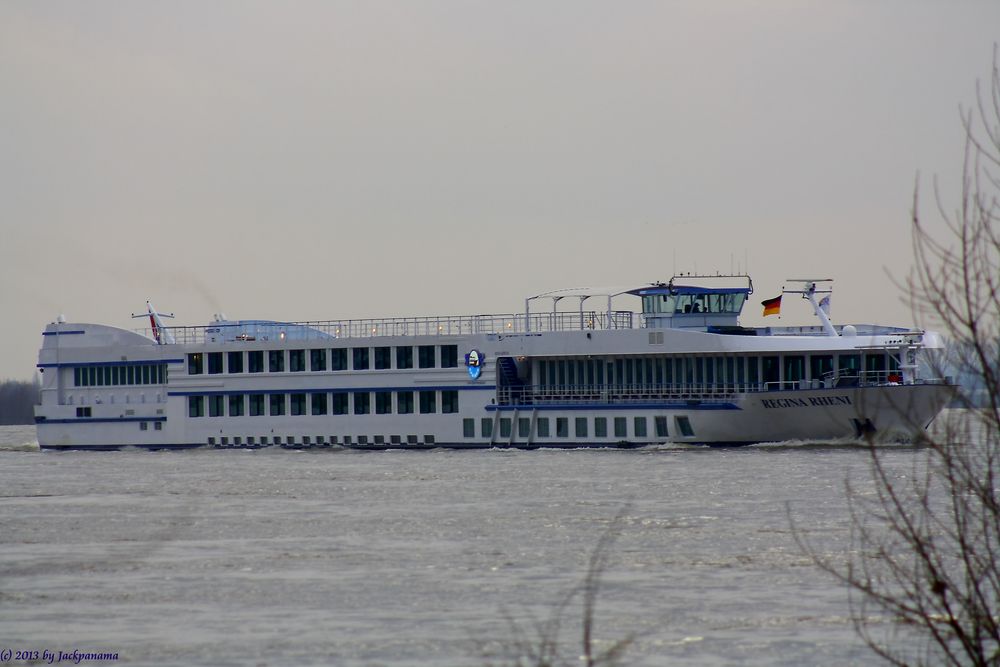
pixel 682 370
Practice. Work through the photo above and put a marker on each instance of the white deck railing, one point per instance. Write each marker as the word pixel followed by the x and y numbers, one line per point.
pixel 448 325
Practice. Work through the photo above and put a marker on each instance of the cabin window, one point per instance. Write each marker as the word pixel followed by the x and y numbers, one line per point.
pixel 428 403
pixel 145 375
pixel 469 428
pixel 581 427
pixel 449 356
pixel 317 360
pixel 683 426
pixel 236 406
pixel 214 363
pixel 404 402
pixel 360 358
pixel 425 356
pixel 875 362
pixel 277 404
pixel 661 426
pixel 505 427
pixel 795 368
pixel 383 402
pixel 486 426
pixel 216 406
pixel 850 364
pixel 362 402
pixel 562 427
pixel 195 364
pixel 318 404
pixel 640 427
pixel 276 361
pixel 820 365
pixel 296 361
pixel 621 427
pixel 84 412
pixel 404 357
pixel 130 379
pixel 255 361
pixel 523 427
pixel 383 358
pixel 338 404
pixel 338 359
pixel 542 427
pixel 235 361
pixel 297 404
pixel 256 405
pixel 449 401
pixel 196 406
pixel 772 371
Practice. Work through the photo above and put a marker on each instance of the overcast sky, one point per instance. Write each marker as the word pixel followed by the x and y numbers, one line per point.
pixel 321 160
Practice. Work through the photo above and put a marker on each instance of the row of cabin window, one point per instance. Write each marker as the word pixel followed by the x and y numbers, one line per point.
pixel 696 369
pixel 336 359
pixel 341 403
pixel 118 374
pixel 580 427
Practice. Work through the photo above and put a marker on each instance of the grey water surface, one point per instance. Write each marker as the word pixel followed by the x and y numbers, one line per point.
pixel 431 558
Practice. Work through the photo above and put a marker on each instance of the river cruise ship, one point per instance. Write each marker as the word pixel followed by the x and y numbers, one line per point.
pixel 680 369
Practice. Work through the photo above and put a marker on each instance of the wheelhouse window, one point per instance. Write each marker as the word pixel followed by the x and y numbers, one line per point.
pixel 338 359
pixel 404 357
pixel 383 358
pixel 360 358
pixel 235 362
pixel 296 361
pixel 196 364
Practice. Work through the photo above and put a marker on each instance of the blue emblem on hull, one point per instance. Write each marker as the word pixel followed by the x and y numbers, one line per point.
pixel 474 363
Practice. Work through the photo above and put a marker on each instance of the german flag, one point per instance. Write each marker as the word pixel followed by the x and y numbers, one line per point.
pixel 772 306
